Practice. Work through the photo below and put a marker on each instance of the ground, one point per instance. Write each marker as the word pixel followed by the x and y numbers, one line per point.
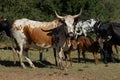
pixel 76 72
pixel 48 71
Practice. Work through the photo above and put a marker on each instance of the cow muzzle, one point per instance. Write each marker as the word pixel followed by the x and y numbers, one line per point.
pixel 71 34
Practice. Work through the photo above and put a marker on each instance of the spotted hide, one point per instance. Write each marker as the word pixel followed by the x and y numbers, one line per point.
pixel 28 33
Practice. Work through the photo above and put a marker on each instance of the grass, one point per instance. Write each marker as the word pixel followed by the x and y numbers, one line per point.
pixel 79 71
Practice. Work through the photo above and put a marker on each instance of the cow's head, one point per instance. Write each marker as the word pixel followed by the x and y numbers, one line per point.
pixel 68 20
pixel 5 26
pixel 2 24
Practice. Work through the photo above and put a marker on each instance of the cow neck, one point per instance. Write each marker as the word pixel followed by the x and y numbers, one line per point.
pixel 67 41
pixel 65 30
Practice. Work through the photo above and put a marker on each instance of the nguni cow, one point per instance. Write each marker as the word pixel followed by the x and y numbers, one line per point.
pixel 84 26
pixel 29 33
pixel 108 34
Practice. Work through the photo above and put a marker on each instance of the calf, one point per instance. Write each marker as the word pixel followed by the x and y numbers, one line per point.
pixel 85 44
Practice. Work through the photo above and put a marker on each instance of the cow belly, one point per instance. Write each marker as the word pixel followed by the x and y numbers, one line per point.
pixel 39 37
pixel 42 42
pixel 43 45
pixel 40 46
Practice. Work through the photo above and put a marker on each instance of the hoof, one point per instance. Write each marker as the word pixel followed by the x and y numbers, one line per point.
pixel 32 66
pixel 23 66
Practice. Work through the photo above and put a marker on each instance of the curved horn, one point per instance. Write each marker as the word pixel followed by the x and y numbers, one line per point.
pixel 58 15
pixel 75 16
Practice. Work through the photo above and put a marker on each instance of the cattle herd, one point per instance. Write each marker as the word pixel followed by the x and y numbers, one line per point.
pixel 63 35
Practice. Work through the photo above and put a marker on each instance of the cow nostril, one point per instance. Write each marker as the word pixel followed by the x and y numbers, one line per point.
pixel 71 34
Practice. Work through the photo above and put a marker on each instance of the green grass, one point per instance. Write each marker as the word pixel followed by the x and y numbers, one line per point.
pixel 79 71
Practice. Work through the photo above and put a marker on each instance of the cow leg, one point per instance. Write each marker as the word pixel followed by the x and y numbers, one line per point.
pixel 105 56
pixel 55 56
pixel 20 57
pixel 105 52
pixel 83 54
pixel 115 46
pixel 78 53
pixel 68 58
pixel 41 55
pixel 108 53
pixel 111 54
pixel 95 57
pixel 14 54
pixel 60 61
pixel 101 54
pixel 69 54
pixel 25 53
pixel 112 58
pixel 21 62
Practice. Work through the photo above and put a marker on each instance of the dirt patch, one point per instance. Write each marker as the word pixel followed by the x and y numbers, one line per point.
pixel 77 72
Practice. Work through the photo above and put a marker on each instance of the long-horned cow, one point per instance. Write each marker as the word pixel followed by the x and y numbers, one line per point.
pixel 27 33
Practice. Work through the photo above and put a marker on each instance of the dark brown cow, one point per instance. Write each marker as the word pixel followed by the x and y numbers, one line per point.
pixel 87 44
pixel 84 44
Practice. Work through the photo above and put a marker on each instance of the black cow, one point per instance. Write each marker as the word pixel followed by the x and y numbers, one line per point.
pixel 5 25
pixel 108 34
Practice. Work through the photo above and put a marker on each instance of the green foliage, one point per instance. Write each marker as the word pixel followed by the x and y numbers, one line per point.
pixel 43 10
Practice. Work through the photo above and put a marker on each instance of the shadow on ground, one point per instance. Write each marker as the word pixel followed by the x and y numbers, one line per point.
pixel 75 60
pixel 39 64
